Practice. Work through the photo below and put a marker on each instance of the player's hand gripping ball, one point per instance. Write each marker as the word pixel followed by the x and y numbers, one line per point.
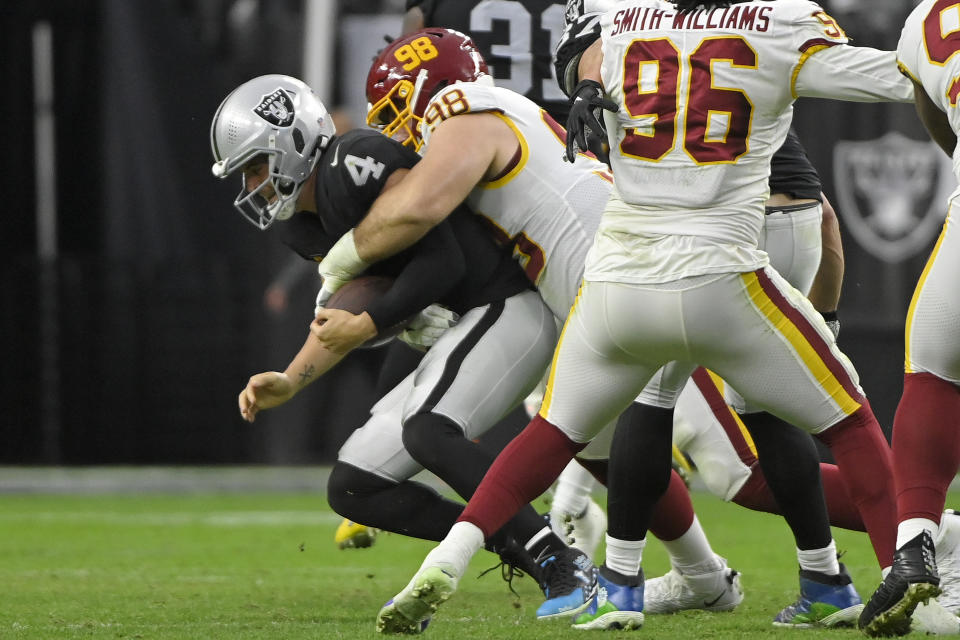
pixel 357 295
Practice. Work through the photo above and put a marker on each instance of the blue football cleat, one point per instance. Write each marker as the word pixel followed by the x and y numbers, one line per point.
pixel 825 601
pixel 617 605
pixel 569 581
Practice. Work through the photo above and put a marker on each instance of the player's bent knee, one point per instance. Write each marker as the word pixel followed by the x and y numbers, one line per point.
pixel 423 434
pixel 348 489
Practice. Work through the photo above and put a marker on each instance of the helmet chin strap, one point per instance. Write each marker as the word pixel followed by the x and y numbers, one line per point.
pixel 417 87
pixel 323 142
pixel 288 207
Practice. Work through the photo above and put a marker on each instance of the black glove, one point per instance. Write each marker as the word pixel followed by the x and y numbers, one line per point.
pixel 584 119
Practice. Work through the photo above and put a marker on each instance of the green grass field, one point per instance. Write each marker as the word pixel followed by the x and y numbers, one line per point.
pixel 265 566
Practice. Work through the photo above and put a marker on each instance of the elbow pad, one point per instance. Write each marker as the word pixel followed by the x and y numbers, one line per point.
pixel 577 37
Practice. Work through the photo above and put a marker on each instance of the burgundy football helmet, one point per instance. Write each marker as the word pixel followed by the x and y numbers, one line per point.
pixel 410 71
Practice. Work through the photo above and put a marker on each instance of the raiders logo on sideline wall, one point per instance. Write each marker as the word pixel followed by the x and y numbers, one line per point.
pixel 892 193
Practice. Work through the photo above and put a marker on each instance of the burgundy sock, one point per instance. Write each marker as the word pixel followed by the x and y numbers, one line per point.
pixel 673 513
pixel 926 445
pixel 843 512
pixel 523 470
pixel 756 495
pixel 864 462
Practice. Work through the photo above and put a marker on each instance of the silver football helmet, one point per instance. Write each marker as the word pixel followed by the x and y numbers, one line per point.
pixel 281 119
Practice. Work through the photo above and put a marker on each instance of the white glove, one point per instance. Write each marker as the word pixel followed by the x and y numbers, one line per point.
pixel 322 297
pixel 341 265
pixel 427 326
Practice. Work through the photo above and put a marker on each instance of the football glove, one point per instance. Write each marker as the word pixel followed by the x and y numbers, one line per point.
pixel 322 297
pixel 584 120
pixel 427 327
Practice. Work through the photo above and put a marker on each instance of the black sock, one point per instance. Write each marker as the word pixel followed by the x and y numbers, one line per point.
pixel 643 433
pixel 791 466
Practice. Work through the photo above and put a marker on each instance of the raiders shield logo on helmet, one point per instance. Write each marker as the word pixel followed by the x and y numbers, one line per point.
pixel 892 193
pixel 276 108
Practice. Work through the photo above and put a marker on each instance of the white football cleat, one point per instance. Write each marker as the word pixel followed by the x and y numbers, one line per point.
pixel 947 547
pixel 410 610
pixel 931 618
pixel 717 590
pixel 584 531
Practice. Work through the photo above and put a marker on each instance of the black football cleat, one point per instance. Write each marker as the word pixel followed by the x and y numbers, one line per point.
pixel 568 579
pixel 515 562
pixel 912 579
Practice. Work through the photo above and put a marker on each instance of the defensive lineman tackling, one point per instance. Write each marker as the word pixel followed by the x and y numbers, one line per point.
pixel 705 124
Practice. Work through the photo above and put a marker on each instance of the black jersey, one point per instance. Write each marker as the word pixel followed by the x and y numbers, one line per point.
pixel 517 39
pixel 457 263
pixel 791 171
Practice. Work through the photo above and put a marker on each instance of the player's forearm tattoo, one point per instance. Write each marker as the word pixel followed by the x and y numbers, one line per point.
pixel 307 374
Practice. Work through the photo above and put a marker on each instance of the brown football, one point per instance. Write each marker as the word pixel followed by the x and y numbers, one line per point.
pixel 357 295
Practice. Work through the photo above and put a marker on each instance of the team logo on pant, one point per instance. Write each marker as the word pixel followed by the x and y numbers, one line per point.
pixel 891 193
pixel 276 108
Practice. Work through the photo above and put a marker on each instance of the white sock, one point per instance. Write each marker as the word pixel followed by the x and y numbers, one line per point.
pixel 574 487
pixel 457 549
pixel 912 527
pixel 946 540
pixel 691 552
pixel 624 556
pixel 821 560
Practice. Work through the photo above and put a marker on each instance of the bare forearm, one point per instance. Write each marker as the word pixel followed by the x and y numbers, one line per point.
pixel 825 291
pixel 460 153
pixel 387 229
pixel 589 67
pixel 312 361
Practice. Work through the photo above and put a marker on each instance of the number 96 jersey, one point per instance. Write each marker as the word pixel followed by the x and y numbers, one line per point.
pixel 546 208
pixel 705 99
pixel 927 52
pixel 708 91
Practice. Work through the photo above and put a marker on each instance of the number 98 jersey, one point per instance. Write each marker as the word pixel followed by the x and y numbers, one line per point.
pixel 546 208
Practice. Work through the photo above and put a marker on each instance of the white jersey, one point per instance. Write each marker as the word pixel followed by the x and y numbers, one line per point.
pixel 927 52
pixel 705 100
pixel 548 209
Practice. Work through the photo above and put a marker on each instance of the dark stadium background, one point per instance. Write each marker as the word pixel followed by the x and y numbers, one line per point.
pixel 130 346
